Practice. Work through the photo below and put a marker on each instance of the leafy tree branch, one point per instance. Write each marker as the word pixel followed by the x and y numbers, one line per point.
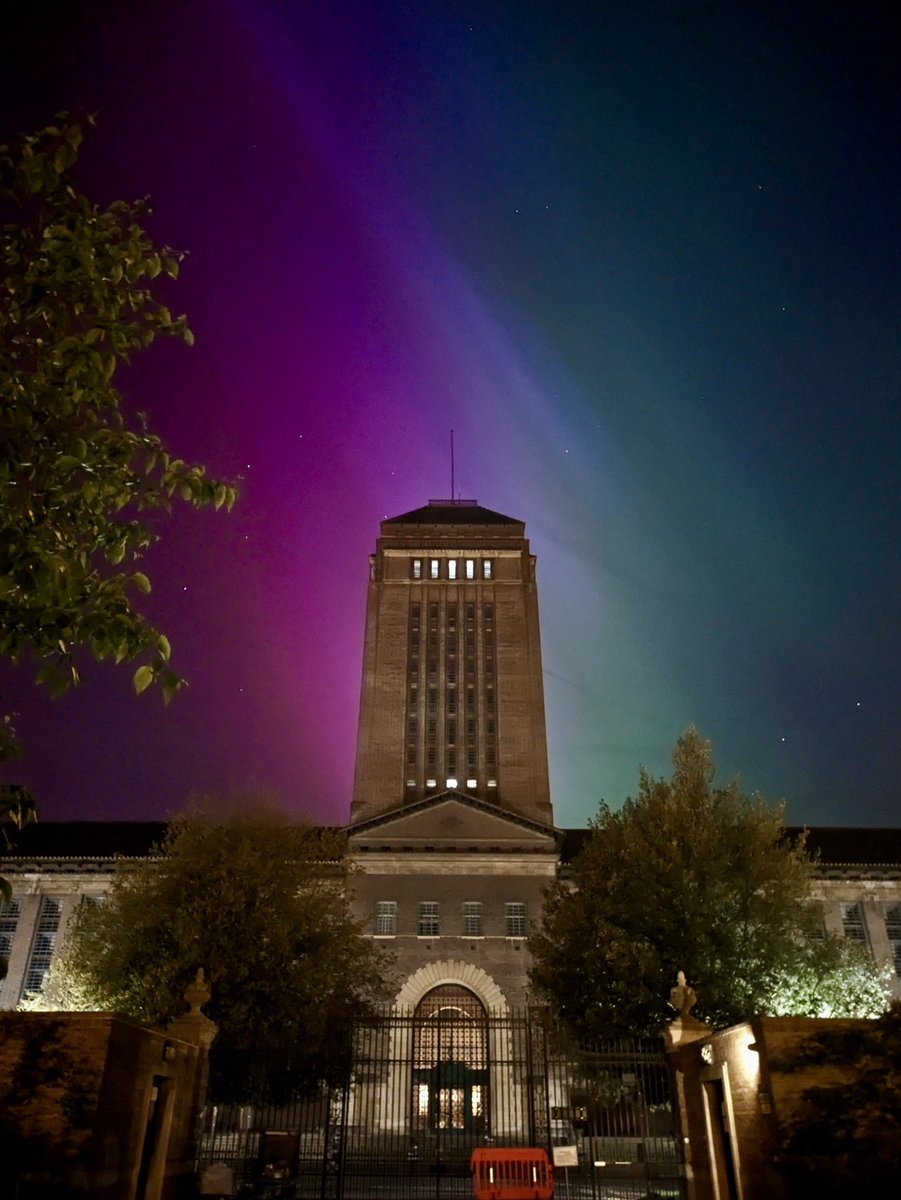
pixel 80 476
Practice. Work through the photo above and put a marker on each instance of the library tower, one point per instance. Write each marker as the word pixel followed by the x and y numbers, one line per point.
pixel 451 821
pixel 452 697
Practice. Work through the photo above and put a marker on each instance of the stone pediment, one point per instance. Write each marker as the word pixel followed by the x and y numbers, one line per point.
pixel 453 821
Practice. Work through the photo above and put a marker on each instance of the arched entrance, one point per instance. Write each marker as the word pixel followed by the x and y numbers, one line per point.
pixel 450 1061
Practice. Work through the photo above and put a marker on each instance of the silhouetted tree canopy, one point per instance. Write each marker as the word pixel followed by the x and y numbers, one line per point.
pixel 686 876
pixel 261 904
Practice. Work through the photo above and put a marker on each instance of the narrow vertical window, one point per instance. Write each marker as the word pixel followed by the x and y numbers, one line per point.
pixel 44 943
pixel 472 918
pixel 486 568
pixel 10 910
pixel 417 568
pixel 386 918
pixel 412 748
pixel 434 568
pixel 853 925
pixel 450 739
pixel 470 568
pixel 893 929
pixel 469 643
pixel 813 924
pixel 488 662
pixel 516 919
pixel 428 918
pixel 452 568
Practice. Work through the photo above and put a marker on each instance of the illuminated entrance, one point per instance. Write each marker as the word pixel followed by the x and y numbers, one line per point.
pixel 450 1061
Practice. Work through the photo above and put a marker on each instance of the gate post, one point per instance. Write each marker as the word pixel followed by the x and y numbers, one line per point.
pixel 537 1069
pixel 333 1142
pixel 681 1031
pixel 196 1028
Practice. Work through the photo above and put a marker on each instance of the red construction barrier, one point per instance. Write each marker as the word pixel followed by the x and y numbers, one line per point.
pixel 502 1174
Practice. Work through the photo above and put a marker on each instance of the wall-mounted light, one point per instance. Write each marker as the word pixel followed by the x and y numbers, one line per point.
pixel 749 1059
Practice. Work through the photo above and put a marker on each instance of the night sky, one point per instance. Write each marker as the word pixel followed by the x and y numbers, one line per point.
pixel 643 258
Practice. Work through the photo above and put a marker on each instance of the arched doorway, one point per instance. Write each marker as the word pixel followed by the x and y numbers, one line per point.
pixel 450 1061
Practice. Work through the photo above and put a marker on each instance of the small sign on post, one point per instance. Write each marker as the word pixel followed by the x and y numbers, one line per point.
pixel 566 1156
pixel 217 1180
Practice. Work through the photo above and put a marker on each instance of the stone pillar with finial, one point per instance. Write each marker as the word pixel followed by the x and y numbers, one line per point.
pixel 197 1029
pixel 681 1031
pixel 684 1027
pixel 194 1026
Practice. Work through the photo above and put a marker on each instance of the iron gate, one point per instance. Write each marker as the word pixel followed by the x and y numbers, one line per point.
pixel 418 1100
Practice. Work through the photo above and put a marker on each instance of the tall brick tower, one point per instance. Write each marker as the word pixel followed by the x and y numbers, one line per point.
pixel 452 696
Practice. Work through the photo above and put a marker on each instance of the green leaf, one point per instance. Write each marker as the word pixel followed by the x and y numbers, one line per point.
pixel 143 678
pixel 172 685
pixel 141 582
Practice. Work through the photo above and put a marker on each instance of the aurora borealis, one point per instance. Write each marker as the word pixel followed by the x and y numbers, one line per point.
pixel 642 258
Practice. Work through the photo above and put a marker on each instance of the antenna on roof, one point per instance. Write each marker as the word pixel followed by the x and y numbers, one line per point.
pixel 453 497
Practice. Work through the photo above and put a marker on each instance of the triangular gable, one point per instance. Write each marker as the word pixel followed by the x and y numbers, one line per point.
pixel 453 819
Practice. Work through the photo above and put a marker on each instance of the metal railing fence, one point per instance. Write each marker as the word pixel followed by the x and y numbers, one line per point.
pixel 418 1097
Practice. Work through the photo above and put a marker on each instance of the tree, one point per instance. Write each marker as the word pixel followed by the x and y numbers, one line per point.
pixel 80 477
pixel 261 905
pixel 687 876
